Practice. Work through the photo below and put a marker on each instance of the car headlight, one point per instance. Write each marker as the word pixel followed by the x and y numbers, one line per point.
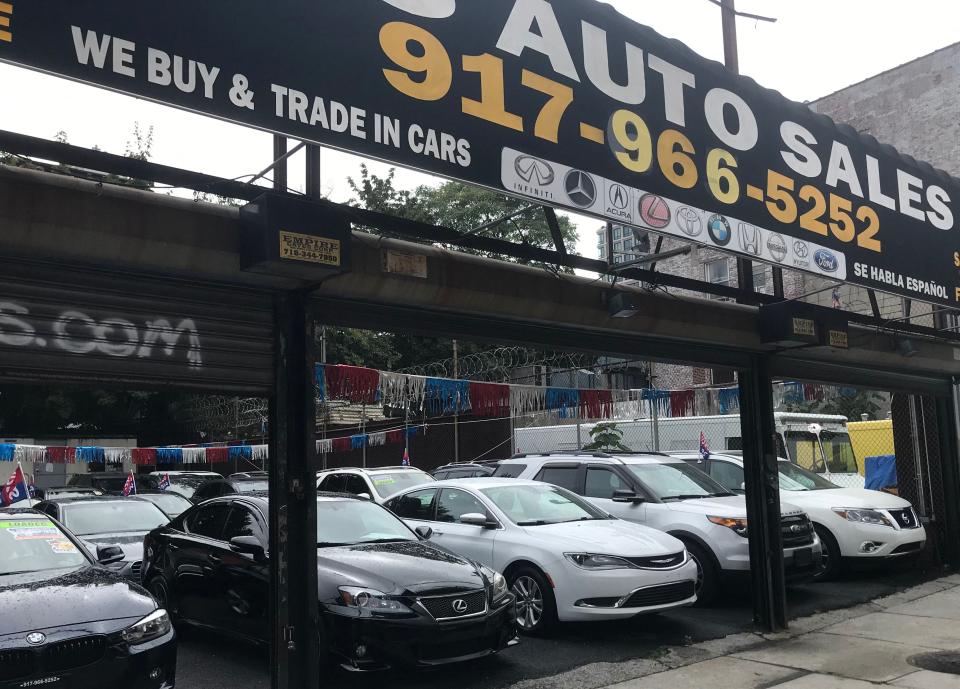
pixel 151 627
pixel 738 526
pixel 371 600
pixel 497 581
pixel 864 516
pixel 597 562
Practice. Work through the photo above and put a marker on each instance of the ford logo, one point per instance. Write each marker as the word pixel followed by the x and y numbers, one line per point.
pixel 826 260
pixel 459 606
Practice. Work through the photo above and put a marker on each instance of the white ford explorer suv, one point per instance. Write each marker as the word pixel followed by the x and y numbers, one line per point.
pixel 668 494
pixel 854 524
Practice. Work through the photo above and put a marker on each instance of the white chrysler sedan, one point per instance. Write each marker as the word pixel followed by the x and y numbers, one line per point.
pixel 564 558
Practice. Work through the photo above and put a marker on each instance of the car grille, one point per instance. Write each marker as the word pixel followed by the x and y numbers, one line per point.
pixel 135 569
pixel 16 664
pixel 56 657
pixel 442 607
pixel 661 595
pixel 659 562
pixel 908 548
pixel 796 531
pixel 905 519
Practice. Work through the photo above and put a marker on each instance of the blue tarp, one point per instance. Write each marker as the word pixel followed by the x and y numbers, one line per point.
pixel 880 472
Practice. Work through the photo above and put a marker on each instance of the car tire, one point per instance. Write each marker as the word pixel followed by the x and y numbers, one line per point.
pixel 536 604
pixel 708 578
pixel 830 562
pixel 160 591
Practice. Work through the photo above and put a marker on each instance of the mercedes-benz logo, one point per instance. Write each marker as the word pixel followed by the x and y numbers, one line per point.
pixel 581 189
pixel 460 606
pixel 36 638
pixel 534 171
pixel 619 197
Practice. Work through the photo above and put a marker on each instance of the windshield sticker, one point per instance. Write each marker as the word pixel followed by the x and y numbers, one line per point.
pixel 384 481
pixel 62 546
pixel 35 533
pixel 27 524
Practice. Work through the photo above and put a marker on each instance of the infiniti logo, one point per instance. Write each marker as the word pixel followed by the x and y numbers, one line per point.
pixel 534 171
pixel 459 606
pixel 36 638
pixel 581 189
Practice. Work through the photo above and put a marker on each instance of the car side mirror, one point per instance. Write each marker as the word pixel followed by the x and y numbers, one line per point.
pixel 627 496
pixel 109 554
pixel 477 519
pixel 248 545
pixel 424 532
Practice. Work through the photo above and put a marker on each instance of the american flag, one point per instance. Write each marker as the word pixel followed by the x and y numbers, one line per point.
pixel 837 304
pixel 164 483
pixel 406 457
pixel 130 487
pixel 704 450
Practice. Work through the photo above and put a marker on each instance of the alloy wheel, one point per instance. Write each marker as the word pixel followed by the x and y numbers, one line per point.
pixel 529 602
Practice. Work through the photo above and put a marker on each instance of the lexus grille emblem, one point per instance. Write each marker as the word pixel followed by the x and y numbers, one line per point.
pixel 459 606
pixel 534 171
pixel 796 528
pixel 581 189
pixel 36 638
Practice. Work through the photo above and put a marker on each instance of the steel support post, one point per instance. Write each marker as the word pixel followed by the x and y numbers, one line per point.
pixel 294 610
pixel 948 421
pixel 763 496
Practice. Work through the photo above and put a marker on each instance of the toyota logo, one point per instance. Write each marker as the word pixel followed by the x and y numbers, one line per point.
pixel 460 606
pixel 534 171
pixel 581 189
pixel 36 638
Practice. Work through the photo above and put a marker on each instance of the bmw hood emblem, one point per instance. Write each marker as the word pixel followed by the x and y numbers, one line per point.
pixel 36 638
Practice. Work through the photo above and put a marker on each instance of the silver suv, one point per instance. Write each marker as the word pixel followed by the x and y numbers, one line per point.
pixel 376 484
pixel 669 494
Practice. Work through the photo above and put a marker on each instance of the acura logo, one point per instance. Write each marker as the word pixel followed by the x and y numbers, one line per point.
pixel 619 198
pixel 459 606
pixel 36 638
pixel 534 171
pixel 581 189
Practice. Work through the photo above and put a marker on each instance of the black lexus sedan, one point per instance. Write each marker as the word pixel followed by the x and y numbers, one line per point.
pixel 388 597
pixel 65 621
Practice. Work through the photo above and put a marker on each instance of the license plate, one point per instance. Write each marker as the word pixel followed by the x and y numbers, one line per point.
pixel 803 557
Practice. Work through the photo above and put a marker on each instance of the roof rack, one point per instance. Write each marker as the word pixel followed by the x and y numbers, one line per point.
pixel 558 453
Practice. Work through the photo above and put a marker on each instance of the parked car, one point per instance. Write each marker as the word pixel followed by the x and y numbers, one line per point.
pixel 107 482
pixel 109 521
pixel 250 474
pixel 69 492
pixel 170 503
pixel 669 494
pixel 67 621
pixel 465 470
pixel 563 558
pixel 854 524
pixel 183 482
pixel 387 598
pixel 229 486
pixel 374 484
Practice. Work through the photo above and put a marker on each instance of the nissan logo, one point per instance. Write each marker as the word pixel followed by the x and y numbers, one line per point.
pixel 36 638
pixel 459 606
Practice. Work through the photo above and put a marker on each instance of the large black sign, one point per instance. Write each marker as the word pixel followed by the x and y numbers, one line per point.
pixel 565 102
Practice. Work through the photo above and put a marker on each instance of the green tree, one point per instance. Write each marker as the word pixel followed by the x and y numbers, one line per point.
pixel 606 436
pixel 853 406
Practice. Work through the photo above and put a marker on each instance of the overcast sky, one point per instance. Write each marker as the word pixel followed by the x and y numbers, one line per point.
pixel 816 47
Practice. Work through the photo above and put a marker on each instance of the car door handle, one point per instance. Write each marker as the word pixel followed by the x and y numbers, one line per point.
pixel 214 559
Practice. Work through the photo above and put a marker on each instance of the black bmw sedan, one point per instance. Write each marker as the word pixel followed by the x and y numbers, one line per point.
pixel 67 622
pixel 388 597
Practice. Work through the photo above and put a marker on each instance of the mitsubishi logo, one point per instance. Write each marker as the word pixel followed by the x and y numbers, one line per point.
pixel 534 171
pixel 581 189
pixel 36 638
pixel 459 606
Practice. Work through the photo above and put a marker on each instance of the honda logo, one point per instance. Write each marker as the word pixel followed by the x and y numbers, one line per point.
pixel 460 606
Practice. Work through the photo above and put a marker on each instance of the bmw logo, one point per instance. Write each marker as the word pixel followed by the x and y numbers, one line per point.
pixel 36 638
pixel 718 227
pixel 580 188
pixel 826 261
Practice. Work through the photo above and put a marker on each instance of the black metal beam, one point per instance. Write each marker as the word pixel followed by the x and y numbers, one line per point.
pixel 555 232
pixel 950 467
pixel 874 305
pixel 763 496
pixel 656 252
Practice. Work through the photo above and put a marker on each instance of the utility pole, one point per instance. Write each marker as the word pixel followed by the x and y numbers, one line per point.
pixel 731 59
pixel 456 410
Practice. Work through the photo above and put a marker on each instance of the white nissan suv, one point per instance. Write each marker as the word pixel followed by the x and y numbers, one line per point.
pixel 854 524
pixel 668 494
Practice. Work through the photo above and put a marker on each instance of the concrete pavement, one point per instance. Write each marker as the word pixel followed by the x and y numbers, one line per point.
pixel 864 647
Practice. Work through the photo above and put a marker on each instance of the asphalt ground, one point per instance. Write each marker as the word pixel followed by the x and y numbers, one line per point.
pixel 208 661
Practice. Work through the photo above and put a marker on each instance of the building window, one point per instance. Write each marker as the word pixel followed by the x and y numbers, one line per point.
pixel 602 251
pixel 617 232
pixel 628 245
pixel 761 278
pixel 717 272
pixel 618 259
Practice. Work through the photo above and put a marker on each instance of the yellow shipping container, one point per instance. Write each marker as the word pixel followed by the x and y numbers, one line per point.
pixel 870 439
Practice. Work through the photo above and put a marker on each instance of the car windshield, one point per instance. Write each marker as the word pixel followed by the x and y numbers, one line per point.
pixel 113 516
pixel 389 483
pixel 172 504
pixel 801 479
pixel 676 481
pixel 36 545
pixel 187 485
pixel 353 522
pixel 109 485
pixel 251 486
pixel 527 505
